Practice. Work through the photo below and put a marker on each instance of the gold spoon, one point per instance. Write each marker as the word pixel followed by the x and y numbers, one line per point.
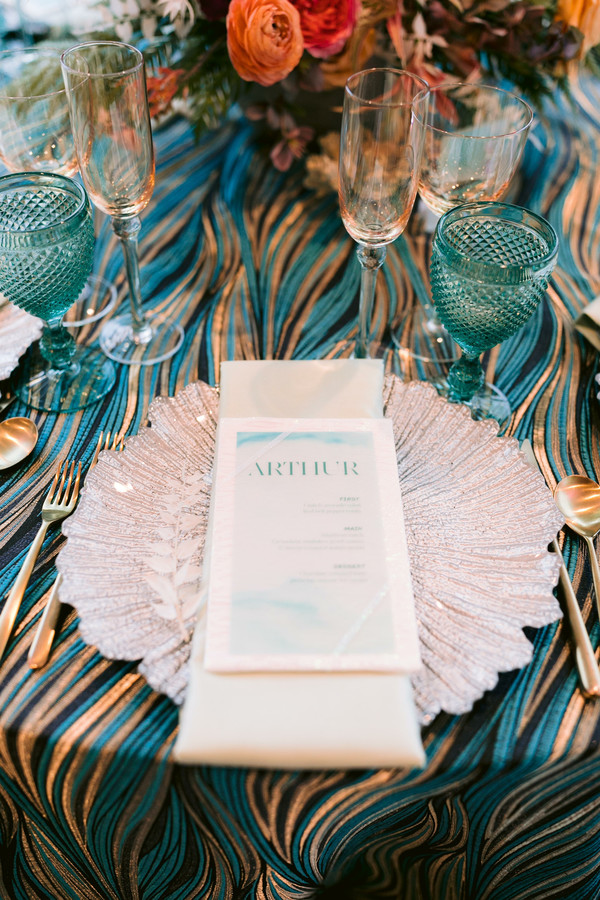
pixel 578 499
pixel 18 437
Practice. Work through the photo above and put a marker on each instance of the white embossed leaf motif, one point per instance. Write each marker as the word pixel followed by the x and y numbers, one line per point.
pixel 132 566
pixel 175 576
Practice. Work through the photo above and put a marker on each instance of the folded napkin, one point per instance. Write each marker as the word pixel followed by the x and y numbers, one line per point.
pixel 587 323
pixel 298 720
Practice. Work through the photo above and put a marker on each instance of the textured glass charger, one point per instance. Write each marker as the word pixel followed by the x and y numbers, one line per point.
pixel 17 331
pixel 35 136
pixel 480 566
pixel 47 245
pixel 490 267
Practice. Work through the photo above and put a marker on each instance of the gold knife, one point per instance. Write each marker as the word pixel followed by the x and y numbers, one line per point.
pixel 587 664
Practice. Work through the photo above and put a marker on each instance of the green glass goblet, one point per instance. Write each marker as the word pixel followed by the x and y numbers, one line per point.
pixel 46 254
pixel 490 267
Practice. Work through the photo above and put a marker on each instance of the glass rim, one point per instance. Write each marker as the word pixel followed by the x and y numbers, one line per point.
pixel 33 51
pixel 507 272
pixel 477 137
pixel 29 179
pixel 425 88
pixel 76 48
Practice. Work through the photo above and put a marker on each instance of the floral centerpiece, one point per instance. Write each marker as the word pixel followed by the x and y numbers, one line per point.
pixel 218 51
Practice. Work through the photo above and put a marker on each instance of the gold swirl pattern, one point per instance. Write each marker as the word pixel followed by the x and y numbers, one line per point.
pixel 254 265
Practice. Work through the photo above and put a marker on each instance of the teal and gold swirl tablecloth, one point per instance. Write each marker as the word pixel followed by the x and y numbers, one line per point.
pixel 254 265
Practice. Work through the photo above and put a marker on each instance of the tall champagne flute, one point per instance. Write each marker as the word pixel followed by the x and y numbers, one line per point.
pixel 106 88
pixel 380 153
pixel 473 139
pixel 35 136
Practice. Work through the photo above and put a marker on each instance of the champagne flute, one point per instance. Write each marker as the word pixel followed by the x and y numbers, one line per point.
pixel 380 152
pixel 46 253
pixel 35 136
pixel 110 120
pixel 473 140
pixel 490 267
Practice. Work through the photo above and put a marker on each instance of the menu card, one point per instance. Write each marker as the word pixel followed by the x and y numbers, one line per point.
pixel 309 570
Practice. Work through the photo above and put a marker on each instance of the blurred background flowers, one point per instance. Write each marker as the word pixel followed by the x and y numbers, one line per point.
pixel 273 54
pixel 284 62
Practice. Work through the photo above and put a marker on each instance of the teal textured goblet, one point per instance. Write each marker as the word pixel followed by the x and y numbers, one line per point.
pixel 490 267
pixel 46 254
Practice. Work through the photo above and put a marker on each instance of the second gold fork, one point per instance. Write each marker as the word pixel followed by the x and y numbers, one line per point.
pixel 59 503
pixel 41 645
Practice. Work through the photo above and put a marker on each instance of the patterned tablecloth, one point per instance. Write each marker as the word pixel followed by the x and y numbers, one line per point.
pixel 254 265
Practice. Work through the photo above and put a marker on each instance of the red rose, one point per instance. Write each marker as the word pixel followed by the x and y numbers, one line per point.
pixel 326 26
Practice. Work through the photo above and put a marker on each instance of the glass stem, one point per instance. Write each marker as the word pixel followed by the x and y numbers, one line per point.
pixel 465 378
pixel 57 346
pixel 371 259
pixel 127 230
pixel 432 324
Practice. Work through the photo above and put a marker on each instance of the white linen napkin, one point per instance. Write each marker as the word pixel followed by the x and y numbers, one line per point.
pixel 587 322
pixel 298 720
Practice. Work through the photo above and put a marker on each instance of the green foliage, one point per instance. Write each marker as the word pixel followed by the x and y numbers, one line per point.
pixel 593 59
pixel 531 82
pixel 212 93
pixel 211 83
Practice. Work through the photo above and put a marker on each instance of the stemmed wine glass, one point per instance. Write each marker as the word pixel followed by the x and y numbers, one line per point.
pixel 35 136
pixel 473 140
pixel 110 120
pixel 380 152
pixel 490 267
pixel 46 253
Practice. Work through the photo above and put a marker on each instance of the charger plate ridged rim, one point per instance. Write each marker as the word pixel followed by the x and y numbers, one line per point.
pixel 478 522
pixel 18 330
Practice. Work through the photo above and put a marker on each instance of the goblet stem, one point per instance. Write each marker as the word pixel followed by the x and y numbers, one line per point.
pixel 371 259
pixel 465 378
pixel 127 230
pixel 57 346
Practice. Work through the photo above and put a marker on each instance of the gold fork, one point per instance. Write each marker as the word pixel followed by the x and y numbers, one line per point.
pixel 41 645
pixel 59 503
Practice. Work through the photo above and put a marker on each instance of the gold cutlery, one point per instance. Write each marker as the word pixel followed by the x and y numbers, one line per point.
pixel 18 437
pixel 39 652
pixel 59 503
pixel 578 499
pixel 587 664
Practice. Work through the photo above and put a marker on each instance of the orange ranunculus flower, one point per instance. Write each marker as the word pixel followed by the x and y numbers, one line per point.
pixel 264 39
pixel 584 15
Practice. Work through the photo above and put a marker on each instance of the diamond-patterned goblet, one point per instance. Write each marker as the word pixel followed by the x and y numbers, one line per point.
pixel 490 267
pixel 46 253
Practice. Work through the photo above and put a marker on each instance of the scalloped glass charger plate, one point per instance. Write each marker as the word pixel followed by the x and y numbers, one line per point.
pixel 478 521
pixel 17 331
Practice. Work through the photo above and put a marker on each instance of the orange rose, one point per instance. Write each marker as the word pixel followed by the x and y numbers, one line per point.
pixel 584 15
pixel 264 39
